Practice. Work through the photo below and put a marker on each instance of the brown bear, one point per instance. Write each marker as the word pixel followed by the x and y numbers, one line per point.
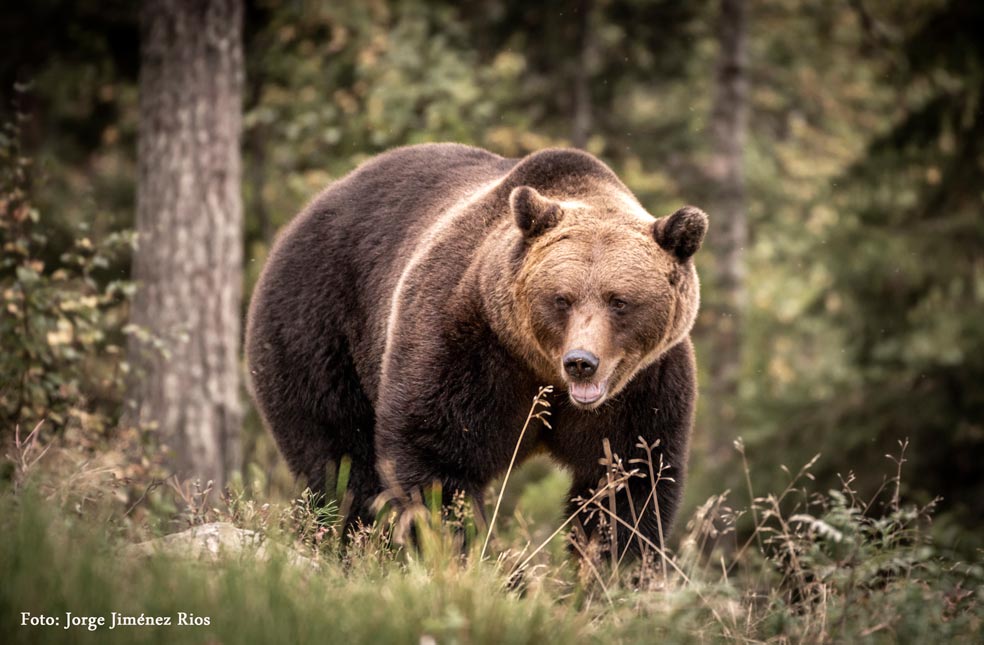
pixel 409 315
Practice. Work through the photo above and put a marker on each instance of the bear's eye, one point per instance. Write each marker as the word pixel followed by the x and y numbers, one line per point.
pixel 618 305
pixel 562 303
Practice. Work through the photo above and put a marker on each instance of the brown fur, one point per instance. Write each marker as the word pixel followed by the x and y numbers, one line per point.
pixel 590 255
pixel 409 315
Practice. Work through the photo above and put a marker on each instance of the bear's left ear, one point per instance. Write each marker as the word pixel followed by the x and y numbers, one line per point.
pixel 534 213
pixel 682 232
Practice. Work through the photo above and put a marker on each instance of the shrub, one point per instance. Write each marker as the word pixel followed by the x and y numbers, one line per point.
pixel 61 322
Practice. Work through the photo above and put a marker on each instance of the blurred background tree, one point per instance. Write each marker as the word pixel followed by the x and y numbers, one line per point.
pixel 185 318
pixel 728 238
pixel 863 283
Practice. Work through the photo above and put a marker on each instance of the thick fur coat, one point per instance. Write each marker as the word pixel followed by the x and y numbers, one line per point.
pixel 408 316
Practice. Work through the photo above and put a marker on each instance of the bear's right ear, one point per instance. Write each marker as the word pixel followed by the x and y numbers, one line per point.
pixel 534 213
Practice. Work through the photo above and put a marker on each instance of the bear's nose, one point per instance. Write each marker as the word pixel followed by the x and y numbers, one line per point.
pixel 580 363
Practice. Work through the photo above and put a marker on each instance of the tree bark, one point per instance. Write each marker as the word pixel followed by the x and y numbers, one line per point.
pixel 255 146
pixel 188 266
pixel 729 235
pixel 582 117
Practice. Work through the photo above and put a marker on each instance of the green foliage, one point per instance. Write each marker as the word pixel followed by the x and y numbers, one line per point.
pixel 884 338
pixel 828 568
pixel 52 566
pixel 60 323
pixel 863 323
pixel 912 285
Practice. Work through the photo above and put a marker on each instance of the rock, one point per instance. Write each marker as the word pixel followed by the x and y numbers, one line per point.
pixel 216 540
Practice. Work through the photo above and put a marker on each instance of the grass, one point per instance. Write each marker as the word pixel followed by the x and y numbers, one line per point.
pixel 794 566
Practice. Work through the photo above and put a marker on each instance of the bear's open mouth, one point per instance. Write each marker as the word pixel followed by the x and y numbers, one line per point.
pixel 587 393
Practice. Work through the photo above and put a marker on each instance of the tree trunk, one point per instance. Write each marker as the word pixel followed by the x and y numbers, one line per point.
pixel 255 146
pixel 729 234
pixel 581 120
pixel 188 266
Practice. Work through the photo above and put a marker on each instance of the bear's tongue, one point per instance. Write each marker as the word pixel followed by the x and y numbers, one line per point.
pixel 586 392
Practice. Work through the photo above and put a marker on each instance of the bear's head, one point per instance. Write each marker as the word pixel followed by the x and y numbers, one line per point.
pixel 602 289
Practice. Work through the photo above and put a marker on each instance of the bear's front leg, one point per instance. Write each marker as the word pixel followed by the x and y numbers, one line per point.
pixel 648 432
pixel 424 448
pixel 412 468
pixel 450 411
pixel 619 513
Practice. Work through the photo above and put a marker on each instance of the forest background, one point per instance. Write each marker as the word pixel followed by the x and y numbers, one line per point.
pixel 837 147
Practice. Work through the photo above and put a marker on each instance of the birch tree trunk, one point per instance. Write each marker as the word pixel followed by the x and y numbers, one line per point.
pixel 188 266
pixel 729 235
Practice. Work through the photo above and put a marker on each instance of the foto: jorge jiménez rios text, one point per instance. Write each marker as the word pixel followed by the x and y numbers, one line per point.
pixel 115 619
